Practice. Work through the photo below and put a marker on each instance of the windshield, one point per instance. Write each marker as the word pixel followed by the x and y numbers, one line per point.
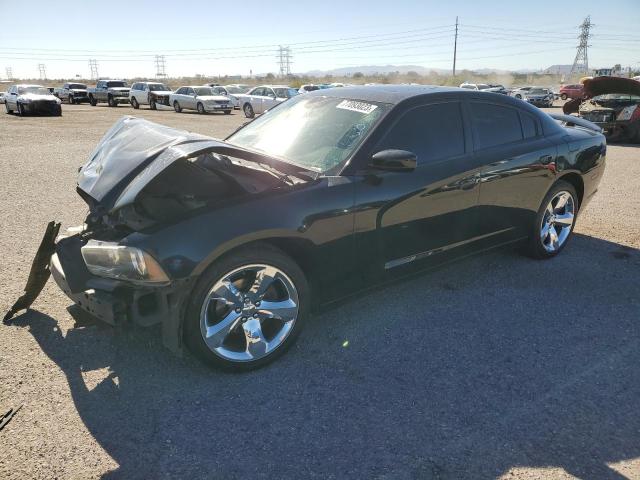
pixel 158 87
pixel 77 86
pixel 617 97
pixel 470 87
pixel 317 133
pixel 483 86
pixel 35 89
pixel 235 89
pixel 203 91
pixel 116 84
pixel 286 92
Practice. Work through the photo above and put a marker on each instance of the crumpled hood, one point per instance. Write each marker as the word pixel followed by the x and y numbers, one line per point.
pixel 33 97
pixel 135 151
pixel 601 86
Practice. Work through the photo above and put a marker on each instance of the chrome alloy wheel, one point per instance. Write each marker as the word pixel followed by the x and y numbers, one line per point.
pixel 249 312
pixel 557 221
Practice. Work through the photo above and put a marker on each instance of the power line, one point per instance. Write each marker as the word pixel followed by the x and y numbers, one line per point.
pixel 581 62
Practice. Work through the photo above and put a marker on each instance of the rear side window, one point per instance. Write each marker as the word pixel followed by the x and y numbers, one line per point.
pixel 529 127
pixel 432 132
pixel 494 125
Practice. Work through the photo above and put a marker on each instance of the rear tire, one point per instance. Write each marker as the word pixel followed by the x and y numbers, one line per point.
pixel 552 220
pixel 177 107
pixel 293 290
pixel 563 96
pixel 248 110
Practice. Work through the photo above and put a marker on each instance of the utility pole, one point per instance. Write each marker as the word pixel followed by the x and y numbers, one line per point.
pixel 581 62
pixel 9 73
pixel 93 65
pixel 455 48
pixel 160 67
pixel 43 72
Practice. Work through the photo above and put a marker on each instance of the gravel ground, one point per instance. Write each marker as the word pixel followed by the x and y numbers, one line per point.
pixel 497 366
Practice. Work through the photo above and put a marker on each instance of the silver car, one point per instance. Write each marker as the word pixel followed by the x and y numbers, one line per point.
pixel 31 99
pixel 202 99
pixel 262 98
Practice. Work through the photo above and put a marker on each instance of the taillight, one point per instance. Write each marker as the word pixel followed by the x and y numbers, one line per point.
pixel 635 116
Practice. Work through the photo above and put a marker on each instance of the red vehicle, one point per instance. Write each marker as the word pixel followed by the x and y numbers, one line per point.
pixel 571 91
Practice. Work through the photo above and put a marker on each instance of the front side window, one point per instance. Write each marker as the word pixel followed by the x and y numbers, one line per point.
pixel 433 132
pixel 494 125
pixel 529 128
pixel 317 133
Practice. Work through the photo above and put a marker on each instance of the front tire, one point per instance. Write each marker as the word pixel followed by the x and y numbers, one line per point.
pixel 152 104
pixel 200 108
pixel 71 100
pixel 248 111
pixel 554 221
pixel 247 309
pixel 20 109
pixel 111 102
pixel 134 103
pixel 563 96
pixel 92 101
pixel 6 107
pixel 177 107
pixel 227 112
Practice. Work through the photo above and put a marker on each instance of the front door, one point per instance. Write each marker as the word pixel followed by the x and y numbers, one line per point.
pixel 411 217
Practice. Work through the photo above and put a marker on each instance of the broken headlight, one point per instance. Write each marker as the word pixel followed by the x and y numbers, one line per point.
pixel 108 259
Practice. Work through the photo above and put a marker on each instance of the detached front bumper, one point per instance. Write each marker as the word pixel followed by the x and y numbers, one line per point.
pixel 112 301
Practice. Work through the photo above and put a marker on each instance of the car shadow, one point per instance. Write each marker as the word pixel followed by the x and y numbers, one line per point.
pixel 482 366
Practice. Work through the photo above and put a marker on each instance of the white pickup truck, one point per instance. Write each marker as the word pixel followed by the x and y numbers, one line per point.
pixel 262 98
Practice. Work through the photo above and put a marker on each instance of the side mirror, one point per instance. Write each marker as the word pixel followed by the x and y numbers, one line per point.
pixel 394 161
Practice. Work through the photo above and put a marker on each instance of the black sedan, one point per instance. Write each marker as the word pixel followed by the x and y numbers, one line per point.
pixel 230 245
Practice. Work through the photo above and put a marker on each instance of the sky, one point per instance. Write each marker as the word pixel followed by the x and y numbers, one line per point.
pixel 218 38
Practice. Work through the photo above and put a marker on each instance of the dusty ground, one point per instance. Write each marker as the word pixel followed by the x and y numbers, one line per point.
pixel 495 366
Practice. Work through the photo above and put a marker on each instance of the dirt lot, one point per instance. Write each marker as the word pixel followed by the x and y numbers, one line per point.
pixel 498 366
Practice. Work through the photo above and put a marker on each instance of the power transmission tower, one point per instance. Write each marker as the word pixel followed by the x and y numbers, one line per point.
pixel 284 60
pixel 160 67
pixel 43 71
pixel 93 65
pixel 581 62
pixel 9 73
pixel 455 48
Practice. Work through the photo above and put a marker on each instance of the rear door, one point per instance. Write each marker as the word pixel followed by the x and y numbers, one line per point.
pixel 517 166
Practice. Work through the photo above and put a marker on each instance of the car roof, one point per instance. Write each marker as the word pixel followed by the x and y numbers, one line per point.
pixel 387 93
pixel 23 85
pixel 274 86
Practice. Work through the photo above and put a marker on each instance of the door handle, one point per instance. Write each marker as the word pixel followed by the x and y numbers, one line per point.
pixel 546 159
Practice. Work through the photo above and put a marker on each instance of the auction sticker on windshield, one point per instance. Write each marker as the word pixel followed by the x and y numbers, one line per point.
pixel 360 107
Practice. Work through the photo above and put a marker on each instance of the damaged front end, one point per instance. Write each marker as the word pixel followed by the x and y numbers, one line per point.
pixel 140 178
pixel 613 104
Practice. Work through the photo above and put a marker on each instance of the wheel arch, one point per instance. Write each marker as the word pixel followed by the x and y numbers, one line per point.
pixel 576 181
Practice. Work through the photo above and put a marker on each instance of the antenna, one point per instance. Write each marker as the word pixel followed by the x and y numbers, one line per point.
pixel 581 62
